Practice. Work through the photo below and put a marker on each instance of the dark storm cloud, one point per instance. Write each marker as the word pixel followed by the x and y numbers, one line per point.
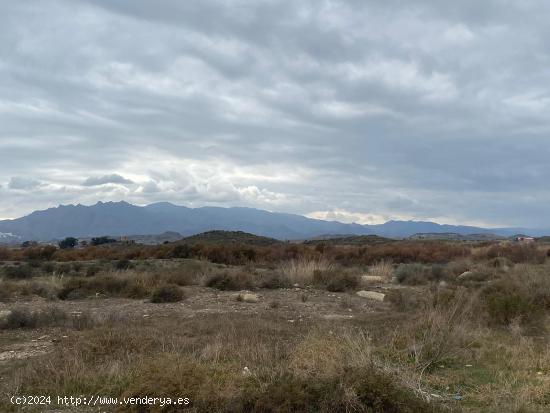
pixel 367 109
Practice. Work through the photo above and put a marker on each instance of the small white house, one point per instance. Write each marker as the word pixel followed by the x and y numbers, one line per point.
pixel 525 240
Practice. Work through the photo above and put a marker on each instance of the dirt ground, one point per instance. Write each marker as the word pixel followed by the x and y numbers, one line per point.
pixel 296 305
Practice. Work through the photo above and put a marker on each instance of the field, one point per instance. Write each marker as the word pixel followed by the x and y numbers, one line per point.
pixel 401 326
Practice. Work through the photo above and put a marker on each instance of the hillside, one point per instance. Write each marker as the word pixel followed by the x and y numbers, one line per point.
pixel 229 237
pixel 123 219
pixel 451 236
pixel 351 240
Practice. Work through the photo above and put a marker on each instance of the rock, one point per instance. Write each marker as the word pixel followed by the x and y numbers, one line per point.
pixel 372 295
pixel 443 284
pixel 4 314
pixel 248 297
pixel 372 279
pixel 465 275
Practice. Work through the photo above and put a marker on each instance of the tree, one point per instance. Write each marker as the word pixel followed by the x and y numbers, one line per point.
pixel 102 240
pixel 68 242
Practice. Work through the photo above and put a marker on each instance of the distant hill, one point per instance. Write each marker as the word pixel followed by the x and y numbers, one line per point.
pixel 229 237
pixel 122 219
pixel 451 236
pixel 9 238
pixel 351 240
pixel 155 239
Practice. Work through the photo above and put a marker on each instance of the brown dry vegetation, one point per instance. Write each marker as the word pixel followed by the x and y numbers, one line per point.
pixel 240 254
pixel 463 327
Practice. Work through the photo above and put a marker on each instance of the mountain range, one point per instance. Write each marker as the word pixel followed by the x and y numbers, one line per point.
pixel 122 218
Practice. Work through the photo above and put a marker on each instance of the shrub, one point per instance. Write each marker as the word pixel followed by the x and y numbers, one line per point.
pixel 48 267
pixel 301 271
pixel 438 272
pixel 274 281
pixel 382 269
pixel 106 285
pixel 69 242
pixel 505 306
pixel 230 281
pixel 522 295
pixel 335 280
pixel 92 270
pixel 122 264
pixel 181 251
pixel 167 294
pixel 43 288
pixel 77 266
pixel 405 300
pixel 413 274
pixel 183 276
pixel 64 269
pixel 19 272
pixel 438 332
pixel 26 318
pixel 39 253
pixel 516 253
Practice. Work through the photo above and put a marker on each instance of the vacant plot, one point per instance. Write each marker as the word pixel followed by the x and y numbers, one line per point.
pixel 467 333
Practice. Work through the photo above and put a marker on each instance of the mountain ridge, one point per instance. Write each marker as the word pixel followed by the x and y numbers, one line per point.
pixel 122 218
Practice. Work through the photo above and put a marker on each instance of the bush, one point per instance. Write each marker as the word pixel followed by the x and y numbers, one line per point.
pixel 26 318
pixel 274 281
pixel 439 332
pixel 405 300
pixel 14 289
pixel 77 266
pixel 183 277
pixel 231 281
pixel 523 295
pixel 64 269
pixel 506 306
pixel 106 285
pixel 413 274
pixel 372 392
pixel 122 264
pixel 167 294
pixel 301 271
pixel 382 269
pixel 92 270
pixel 516 253
pixel 48 267
pixel 69 242
pixel 19 272
pixel 335 280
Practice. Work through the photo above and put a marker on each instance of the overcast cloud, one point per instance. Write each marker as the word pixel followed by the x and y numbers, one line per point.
pixel 352 110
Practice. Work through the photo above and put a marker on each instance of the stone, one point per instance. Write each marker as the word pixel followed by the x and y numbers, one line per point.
pixel 372 279
pixel 248 297
pixel 4 314
pixel 465 275
pixel 372 295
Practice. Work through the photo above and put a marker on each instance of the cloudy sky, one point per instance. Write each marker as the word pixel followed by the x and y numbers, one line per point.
pixel 352 110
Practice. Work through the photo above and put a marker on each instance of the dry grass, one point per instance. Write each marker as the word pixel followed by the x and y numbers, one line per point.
pixel 51 316
pixel 467 340
pixel 438 333
pixel 382 269
pixel 287 370
pixel 301 271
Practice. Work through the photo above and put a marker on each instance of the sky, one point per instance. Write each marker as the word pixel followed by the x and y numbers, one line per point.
pixel 358 111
